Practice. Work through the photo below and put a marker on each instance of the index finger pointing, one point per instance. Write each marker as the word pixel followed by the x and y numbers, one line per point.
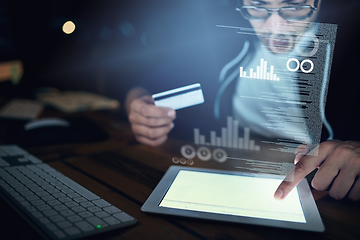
pixel 302 168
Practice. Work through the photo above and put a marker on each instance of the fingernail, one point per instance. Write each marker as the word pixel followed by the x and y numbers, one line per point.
pixel 172 125
pixel 278 194
pixel 171 113
pixel 298 157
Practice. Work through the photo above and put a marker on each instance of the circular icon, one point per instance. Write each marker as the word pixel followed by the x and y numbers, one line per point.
pixel 175 160
pixel 183 161
pixel 204 153
pixel 297 65
pixel 219 155
pixel 315 48
pixel 190 161
pixel 188 151
pixel 311 66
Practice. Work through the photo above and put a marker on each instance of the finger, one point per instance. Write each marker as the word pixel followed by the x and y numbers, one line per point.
pixel 151 133
pixel 298 157
pixel 136 118
pixel 338 171
pixel 144 108
pixel 151 142
pixel 324 176
pixel 302 168
pixel 345 179
pixel 148 99
pixel 300 151
pixel 355 191
pixel 342 184
pixel 328 170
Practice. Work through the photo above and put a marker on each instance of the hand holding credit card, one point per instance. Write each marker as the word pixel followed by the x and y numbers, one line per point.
pixel 179 98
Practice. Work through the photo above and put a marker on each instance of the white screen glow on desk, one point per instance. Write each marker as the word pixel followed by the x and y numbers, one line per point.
pixel 232 194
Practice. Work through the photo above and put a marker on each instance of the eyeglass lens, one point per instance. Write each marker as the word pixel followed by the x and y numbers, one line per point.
pixel 287 13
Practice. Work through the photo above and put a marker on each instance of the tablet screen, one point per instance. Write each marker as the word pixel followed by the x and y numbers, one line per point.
pixel 233 195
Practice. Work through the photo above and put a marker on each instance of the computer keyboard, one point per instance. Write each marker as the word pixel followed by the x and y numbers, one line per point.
pixel 57 206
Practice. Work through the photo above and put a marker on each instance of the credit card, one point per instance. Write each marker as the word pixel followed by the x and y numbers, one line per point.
pixel 181 97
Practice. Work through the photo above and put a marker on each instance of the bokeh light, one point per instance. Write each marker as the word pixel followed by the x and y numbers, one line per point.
pixel 127 28
pixel 68 27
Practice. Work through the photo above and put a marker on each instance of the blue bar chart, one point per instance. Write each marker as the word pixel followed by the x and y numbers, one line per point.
pixel 260 73
pixel 229 137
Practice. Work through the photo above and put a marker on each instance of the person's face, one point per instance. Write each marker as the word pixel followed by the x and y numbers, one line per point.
pixel 276 33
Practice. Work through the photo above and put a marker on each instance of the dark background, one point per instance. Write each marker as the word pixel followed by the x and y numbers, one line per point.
pixel 115 43
pixel 160 44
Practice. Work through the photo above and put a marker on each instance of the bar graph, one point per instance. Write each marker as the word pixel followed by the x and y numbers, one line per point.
pixel 229 137
pixel 260 73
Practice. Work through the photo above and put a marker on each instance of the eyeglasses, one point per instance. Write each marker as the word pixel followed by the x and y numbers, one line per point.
pixel 295 13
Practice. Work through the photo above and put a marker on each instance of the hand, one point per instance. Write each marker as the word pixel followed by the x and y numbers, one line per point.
pixel 338 166
pixel 150 123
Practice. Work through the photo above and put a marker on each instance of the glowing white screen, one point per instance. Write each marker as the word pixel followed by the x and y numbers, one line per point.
pixel 233 195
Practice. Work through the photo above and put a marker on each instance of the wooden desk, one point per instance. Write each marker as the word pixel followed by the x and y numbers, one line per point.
pixel 124 173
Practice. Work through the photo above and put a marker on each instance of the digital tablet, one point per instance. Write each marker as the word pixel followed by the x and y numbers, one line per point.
pixel 234 197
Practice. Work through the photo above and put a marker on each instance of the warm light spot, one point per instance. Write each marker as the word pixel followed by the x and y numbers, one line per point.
pixel 68 27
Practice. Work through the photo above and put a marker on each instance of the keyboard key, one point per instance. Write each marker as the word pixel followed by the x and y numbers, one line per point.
pixel 50 213
pixel 26 193
pixel 74 218
pixel 87 204
pixel 123 217
pixel 64 224
pixel 24 203
pixel 111 220
pixel 74 195
pixel 61 187
pixel 102 214
pixel 86 214
pixel 67 190
pixel 96 222
pixel 53 190
pixel 42 193
pixel 54 202
pixel 64 199
pixel 71 204
pixel 44 220
pixel 59 234
pixel 94 209
pixel 38 202
pixel 57 218
pixel 72 231
pixel 80 200
pixel 47 198
pixel 19 198
pixel 67 213
pixel 44 207
pixel 112 209
pixel 78 209
pixel 60 208
pixel 51 227
pixel 37 214
pixel 84 226
pixel 15 194
pixel 101 203
pixel 58 195
pixel 30 208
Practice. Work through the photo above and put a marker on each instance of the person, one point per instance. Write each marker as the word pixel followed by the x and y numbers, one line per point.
pixel 337 161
